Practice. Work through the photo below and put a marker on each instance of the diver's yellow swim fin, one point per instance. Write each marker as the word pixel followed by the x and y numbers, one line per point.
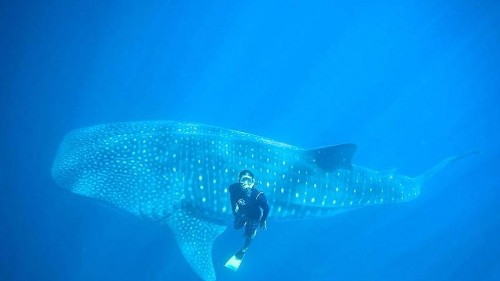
pixel 233 263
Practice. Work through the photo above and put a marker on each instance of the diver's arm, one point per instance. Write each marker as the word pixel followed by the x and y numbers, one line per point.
pixel 232 193
pixel 265 207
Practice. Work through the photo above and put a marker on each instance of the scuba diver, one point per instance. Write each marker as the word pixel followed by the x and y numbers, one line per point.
pixel 246 204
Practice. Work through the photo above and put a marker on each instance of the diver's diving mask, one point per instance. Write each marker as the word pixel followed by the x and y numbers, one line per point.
pixel 247 182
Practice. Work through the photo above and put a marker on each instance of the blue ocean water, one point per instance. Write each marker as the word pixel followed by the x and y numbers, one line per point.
pixel 410 82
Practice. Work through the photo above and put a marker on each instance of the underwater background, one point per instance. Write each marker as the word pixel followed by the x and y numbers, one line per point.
pixel 410 82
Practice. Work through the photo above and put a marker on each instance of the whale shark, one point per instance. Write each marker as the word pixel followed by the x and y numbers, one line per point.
pixel 178 174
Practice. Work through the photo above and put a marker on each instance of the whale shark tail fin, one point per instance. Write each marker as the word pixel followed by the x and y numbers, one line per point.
pixel 443 164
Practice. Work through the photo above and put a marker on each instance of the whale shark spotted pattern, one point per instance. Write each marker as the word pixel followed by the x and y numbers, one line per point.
pixel 178 174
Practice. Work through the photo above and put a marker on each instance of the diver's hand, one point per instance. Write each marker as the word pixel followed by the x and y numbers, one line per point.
pixel 263 225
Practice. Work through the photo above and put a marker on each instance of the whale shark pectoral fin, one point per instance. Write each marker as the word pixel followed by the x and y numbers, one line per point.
pixel 195 238
pixel 332 157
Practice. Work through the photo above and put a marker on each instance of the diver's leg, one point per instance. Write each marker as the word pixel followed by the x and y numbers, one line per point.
pixel 241 253
pixel 248 241
pixel 239 221
pixel 250 231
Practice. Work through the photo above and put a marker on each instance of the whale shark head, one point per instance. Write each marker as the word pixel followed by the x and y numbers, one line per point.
pixel 67 169
pixel 116 169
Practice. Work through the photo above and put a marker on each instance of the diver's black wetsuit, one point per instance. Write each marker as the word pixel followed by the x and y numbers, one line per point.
pixel 249 203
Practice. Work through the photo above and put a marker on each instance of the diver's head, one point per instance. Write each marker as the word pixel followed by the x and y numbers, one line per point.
pixel 246 179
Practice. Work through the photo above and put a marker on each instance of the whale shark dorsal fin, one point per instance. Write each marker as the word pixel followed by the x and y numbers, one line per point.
pixel 195 238
pixel 332 157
